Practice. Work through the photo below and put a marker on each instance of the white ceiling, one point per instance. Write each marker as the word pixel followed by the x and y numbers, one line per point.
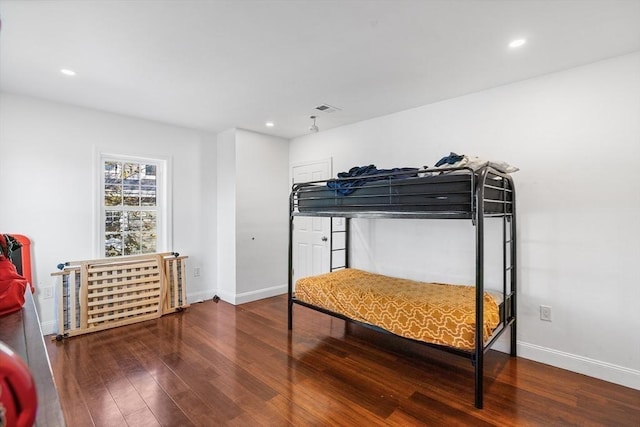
pixel 214 65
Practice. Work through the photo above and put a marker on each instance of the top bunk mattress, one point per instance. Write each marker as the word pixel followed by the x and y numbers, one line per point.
pixel 447 193
pixel 435 313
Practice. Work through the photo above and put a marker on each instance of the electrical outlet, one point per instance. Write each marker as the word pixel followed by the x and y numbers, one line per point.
pixel 47 292
pixel 196 272
pixel 545 313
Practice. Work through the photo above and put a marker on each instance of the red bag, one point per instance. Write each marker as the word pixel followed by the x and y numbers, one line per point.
pixel 12 287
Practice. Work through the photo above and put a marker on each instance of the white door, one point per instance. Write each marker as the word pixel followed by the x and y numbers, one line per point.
pixel 311 244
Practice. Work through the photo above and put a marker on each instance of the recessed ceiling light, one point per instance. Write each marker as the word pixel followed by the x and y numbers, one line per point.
pixel 517 43
pixel 269 124
pixel 67 72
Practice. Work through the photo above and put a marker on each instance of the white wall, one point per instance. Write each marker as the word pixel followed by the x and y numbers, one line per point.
pixel 209 229
pixel 253 171
pixel 48 155
pixel 576 137
pixel 226 217
pixel 262 215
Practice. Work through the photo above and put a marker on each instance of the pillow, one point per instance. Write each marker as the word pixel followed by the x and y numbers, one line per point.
pixel 476 163
pixel 503 167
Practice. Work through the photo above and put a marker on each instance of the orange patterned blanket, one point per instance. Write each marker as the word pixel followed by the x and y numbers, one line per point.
pixel 431 312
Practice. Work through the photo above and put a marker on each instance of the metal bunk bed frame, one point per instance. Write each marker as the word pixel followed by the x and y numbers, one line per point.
pixel 477 214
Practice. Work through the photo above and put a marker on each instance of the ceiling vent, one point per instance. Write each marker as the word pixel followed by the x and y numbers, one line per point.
pixel 326 108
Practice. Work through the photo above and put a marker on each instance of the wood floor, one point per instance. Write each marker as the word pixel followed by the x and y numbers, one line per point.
pixel 217 364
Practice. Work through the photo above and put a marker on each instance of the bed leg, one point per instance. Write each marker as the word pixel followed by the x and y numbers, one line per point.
pixel 290 315
pixel 479 377
pixel 513 339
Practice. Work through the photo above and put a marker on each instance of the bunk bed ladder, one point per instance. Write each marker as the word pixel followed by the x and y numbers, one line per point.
pixel 336 231
pixel 508 275
pixel 509 262
pixel 290 278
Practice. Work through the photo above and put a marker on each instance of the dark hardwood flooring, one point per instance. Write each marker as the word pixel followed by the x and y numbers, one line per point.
pixel 217 364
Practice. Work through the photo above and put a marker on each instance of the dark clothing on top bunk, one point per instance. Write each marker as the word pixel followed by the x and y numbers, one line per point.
pixel 346 187
pixel 451 159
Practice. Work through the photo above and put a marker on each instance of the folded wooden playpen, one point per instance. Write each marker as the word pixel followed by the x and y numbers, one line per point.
pixel 106 293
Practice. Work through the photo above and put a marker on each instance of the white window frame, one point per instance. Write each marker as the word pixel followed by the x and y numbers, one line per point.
pixel 164 232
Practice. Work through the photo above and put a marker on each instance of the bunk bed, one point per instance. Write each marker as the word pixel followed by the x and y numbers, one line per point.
pixel 356 296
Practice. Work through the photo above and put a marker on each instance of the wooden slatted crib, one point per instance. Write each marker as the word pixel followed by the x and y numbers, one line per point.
pixel 94 295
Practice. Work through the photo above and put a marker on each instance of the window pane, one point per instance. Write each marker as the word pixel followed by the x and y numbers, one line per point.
pixel 113 245
pixel 148 243
pixel 148 221
pixel 148 172
pixel 113 221
pixel 148 185
pixel 131 195
pixel 132 221
pixel 148 194
pixel 112 195
pixel 131 173
pixel 131 243
pixel 112 173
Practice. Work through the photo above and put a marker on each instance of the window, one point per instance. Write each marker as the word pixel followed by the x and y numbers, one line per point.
pixel 132 206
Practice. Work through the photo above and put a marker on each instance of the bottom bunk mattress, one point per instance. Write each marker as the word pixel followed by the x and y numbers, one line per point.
pixel 435 313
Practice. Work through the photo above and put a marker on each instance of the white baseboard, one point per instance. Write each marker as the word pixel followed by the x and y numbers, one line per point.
pixel 261 294
pixel 583 365
pixel 227 297
pixel 245 297
pixel 49 327
pixel 199 296
pixel 571 362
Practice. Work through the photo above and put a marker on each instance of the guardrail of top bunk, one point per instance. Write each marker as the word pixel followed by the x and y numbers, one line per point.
pixel 484 177
pixel 385 180
pixel 505 190
pixel 94 295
